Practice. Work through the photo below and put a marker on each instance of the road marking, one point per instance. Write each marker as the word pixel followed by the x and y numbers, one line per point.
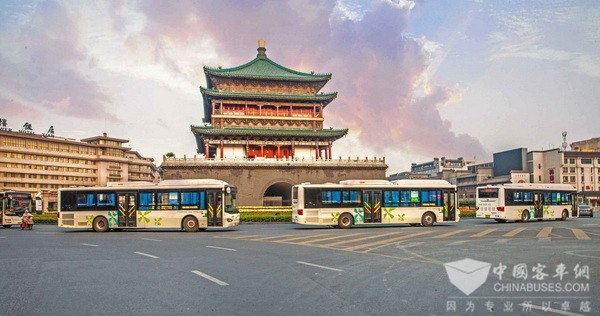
pixel 514 232
pixel 450 233
pixel 383 243
pixel 458 242
pixel 147 255
pixel 151 239
pixel 271 237
pixel 485 232
pixel 580 234
pixel 319 266
pixel 348 241
pixel 301 237
pixel 545 239
pixel 544 233
pixel 330 238
pixel 501 241
pixel 2 237
pixel 215 247
pixel 210 278
pixel 548 309
pixel 89 245
pixel 413 244
pixel 239 237
pixel 591 224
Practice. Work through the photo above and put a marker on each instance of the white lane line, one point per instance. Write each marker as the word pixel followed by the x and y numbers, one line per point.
pixel 2 237
pixel 319 266
pixel 147 255
pixel 215 247
pixel 458 242
pixel 89 245
pixel 591 224
pixel 501 241
pixel 545 239
pixel 151 239
pixel 208 277
pixel 412 244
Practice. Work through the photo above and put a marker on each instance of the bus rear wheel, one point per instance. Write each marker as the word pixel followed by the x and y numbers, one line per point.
pixel 564 216
pixel 525 216
pixel 345 221
pixel 428 219
pixel 100 224
pixel 190 224
pixel 7 226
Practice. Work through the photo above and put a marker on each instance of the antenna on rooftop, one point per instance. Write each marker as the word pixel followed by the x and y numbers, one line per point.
pixel 564 143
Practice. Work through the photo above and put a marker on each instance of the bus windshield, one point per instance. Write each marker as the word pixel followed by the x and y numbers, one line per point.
pixel 17 203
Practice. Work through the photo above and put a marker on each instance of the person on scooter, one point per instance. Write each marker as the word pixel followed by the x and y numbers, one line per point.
pixel 27 220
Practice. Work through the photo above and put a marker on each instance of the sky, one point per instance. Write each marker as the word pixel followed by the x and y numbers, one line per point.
pixel 415 79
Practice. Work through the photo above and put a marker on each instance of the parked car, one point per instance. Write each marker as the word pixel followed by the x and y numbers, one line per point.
pixel 586 210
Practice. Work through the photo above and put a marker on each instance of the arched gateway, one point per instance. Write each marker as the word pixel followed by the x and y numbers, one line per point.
pixel 262 122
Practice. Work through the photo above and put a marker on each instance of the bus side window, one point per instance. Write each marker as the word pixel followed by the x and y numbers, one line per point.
pixel 391 198
pixel 311 198
pixel 146 201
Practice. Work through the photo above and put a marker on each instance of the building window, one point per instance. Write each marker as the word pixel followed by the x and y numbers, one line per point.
pixel 539 166
pixel 565 179
pixel 572 179
pixel 572 170
pixel 540 178
pixel 586 161
pixel 565 170
pixel 572 161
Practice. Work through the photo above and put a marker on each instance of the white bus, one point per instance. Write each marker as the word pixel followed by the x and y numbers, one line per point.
pixel 190 205
pixel 354 202
pixel 12 206
pixel 525 201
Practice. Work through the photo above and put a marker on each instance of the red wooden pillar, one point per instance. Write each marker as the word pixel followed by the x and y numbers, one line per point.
pixel 329 152
pixel 247 149
pixel 278 151
pixel 206 148
pixel 262 150
pixel 221 148
pixel 293 149
pixel 317 150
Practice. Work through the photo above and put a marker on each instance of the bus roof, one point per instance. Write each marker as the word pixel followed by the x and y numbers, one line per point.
pixel 533 186
pixel 407 183
pixel 165 184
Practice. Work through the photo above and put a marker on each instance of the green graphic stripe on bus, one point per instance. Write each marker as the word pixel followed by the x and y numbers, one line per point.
pixel 335 216
pixel 89 219
pixel 359 216
pixel 113 220
pixel 142 216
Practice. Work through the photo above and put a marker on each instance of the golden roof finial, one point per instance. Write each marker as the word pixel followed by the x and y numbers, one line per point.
pixel 261 43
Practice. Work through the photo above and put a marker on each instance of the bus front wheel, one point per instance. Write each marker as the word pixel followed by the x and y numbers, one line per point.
pixel 564 216
pixel 525 216
pixel 428 219
pixel 190 224
pixel 100 224
pixel 345 221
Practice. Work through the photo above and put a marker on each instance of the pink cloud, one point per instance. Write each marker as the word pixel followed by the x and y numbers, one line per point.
pixel 377 68
pixel 45 72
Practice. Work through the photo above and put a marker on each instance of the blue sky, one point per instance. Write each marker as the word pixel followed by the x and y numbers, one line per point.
pixel 415 80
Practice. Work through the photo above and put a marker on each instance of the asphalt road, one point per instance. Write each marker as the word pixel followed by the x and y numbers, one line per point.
pixel 534 268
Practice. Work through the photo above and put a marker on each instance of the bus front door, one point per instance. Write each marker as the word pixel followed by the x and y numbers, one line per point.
pixel 538 205
pixel 215 208
pixel 449 206
pixel 127 210
pixel 372 206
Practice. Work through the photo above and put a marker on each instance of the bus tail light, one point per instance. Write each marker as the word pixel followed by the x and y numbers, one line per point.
pixel 500 208
pixel 300 212
pixel 477 208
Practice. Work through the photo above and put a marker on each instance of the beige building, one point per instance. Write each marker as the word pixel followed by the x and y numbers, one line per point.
pixel 41 164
